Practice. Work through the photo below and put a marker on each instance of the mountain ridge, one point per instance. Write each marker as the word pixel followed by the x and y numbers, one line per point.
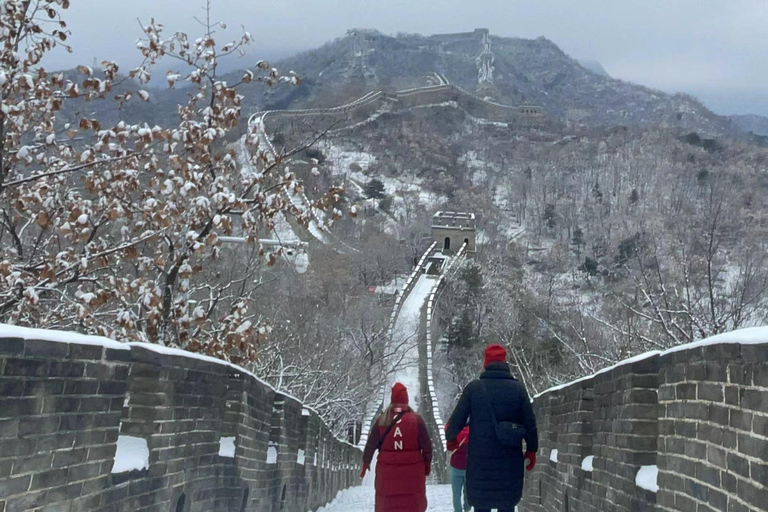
pixel 507 70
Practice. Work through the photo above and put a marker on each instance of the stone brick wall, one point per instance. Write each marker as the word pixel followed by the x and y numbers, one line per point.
pixel 63 406
pixel 700 414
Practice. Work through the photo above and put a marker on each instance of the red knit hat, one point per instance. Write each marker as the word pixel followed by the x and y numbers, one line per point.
pixel 494 354
pixel 399 394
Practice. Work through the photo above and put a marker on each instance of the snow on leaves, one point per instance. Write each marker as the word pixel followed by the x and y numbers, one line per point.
pixel 114 230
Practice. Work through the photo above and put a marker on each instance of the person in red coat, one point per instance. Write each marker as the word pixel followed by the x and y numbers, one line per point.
pixel 405 456
pixel 459 450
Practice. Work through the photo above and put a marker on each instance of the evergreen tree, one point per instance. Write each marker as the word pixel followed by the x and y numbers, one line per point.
pixel 374 189
pixel 550 217
pixel 460 332
pixel 472 276
pixel 578 241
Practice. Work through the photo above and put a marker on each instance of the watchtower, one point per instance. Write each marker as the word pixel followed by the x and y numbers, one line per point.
pixel 452 229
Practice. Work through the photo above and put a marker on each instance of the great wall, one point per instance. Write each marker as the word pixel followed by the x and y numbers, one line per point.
pixel 683 430
pixel 215 437
pixel 696 415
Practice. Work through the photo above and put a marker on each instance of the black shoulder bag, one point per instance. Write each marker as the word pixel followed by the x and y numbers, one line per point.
pixel 389 428
pixel 507 432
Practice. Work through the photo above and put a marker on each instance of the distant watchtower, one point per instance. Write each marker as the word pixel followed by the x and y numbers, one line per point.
pixel 452 229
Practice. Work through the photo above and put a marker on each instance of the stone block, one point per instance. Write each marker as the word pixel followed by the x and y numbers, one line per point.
pixel 48 479
pixel 740 374
pixel 722 352
pixel 717 456
pixel 755 353
pixel 36 425
pixel 45 349
pixel 732 396
pixel 11 346
pixel 716 371
pixel 80 387
pixel 740 419
pixel 760 374
pixel 11 387
pixel 730 485
pixel 754 399
pixel 66 369
pixel 755 495
pixel 697 490
pixel 737 465
pixel 696 371
pixel 86 471
pixel 753 446
pixel 684 503
pixel 49 443
pixel 90 352
pixel 25 368
pixel 17 407
pixel 686 428
pixel 759 473
pixel 708 475
pixel 26 502
pixel 32 463
pixel 718 414
pixel 666 393
pixel 760 425
pixel 710 392
pixel 67 458
pixel 65 493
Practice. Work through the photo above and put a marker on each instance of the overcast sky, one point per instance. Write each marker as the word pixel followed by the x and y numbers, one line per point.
pixel 715 49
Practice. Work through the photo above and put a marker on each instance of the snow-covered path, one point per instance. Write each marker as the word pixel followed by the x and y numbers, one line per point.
pixel 362 499
pixel 406 336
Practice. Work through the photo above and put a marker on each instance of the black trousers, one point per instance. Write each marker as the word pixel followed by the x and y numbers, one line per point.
pixel 489 510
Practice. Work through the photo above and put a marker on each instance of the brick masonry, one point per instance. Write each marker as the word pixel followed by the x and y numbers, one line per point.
pixel 63 406
pixel 699 414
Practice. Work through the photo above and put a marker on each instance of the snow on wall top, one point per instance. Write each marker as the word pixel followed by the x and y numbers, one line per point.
pixel 747 336
pixel 26 333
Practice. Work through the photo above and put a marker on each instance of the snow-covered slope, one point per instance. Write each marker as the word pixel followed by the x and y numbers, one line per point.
pixel 363 499
pixel 406 335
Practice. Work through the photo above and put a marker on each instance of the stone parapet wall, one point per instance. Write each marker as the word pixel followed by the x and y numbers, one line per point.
pixel 64 405
pixel 698 414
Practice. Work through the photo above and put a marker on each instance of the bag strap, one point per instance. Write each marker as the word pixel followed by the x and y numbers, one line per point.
pixel 487 399
pixel 390 427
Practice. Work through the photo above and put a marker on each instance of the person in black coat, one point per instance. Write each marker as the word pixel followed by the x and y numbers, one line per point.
pixel 494 471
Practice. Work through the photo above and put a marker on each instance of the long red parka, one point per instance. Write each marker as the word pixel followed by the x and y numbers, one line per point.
pixel 403 463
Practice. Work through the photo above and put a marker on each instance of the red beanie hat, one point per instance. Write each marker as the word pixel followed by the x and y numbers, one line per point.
pixel 494 354
pixel 399 394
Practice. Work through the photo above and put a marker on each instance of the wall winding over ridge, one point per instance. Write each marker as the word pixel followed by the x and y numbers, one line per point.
pixel 699 413
pixel 63 406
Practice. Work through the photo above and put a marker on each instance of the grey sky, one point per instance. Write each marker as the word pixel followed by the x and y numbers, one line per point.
pixel 712 48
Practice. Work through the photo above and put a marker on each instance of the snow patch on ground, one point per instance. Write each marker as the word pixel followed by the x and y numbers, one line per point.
pixel 132 453
pixel 648 478
pixel 363 499
pixel 406 332
pixel 340 159
pixel 588 463
pixel 227 447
